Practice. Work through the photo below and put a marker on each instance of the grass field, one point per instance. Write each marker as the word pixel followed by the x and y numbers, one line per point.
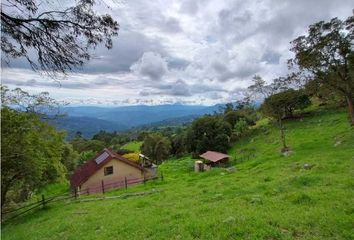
pixel 133 146
pixel 269 196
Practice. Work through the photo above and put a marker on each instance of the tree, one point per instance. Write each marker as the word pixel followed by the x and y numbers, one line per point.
pixel 231 117
pixel 84 156
pixel 209 133
pixel 259 87
pixel 282 105
pixel 178 144
pixel 104 136
pixel 325 55
pixel 53 40
pixel 30 152
pixel 156 147
pixel 31 149
pixel 69 158
pixel 41 104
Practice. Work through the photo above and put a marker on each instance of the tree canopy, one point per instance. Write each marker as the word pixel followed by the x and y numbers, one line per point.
pixel 325 55
pixel 30 152
pixel 53 40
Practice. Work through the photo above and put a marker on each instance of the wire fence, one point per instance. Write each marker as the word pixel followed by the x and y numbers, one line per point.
pixel 74 194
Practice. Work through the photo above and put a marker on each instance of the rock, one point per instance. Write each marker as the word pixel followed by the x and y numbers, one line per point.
pixel 308 166
pixel 287 153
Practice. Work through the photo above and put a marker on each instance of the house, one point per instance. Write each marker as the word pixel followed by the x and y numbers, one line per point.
pixel 108 170
pixel 214 158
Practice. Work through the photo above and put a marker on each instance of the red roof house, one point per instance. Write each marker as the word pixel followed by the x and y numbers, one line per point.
pixel 214 158
pixel 106 167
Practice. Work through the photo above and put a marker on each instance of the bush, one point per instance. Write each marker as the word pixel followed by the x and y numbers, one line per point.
pixel 132 156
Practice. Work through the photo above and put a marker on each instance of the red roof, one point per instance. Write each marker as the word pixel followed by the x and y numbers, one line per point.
pixel 214 156
pixel 85 171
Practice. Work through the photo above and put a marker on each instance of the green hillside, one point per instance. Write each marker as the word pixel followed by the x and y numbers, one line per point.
pixel 269 196
pixel 133 146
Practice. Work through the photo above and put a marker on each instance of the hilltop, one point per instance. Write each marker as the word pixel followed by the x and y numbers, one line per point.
pixel 307 195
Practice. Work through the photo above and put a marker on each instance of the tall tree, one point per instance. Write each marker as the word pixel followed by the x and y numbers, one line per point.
pixel 30 152
pixel 209 133
pixel 30 148
pixel 53 40
pixel 156 147
pixel 282 105
pixel 326 55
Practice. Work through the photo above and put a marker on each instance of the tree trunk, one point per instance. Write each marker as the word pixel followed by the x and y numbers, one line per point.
pixel 350 102
pixel 282 134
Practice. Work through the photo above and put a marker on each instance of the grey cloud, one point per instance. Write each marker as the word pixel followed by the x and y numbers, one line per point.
pixel 127 49
pixel 181 88
pixel 171 25
pixel 177 63
pixel 177 88
pixel 189 7
pixel 151 65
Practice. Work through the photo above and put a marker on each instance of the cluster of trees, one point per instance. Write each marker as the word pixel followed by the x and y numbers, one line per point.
pixel 324 64
pixel 33 153
pixel 211 132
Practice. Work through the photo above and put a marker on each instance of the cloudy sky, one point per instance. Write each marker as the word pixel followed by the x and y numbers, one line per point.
pixel 191 51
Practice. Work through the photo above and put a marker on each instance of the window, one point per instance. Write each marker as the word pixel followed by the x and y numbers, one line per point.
pixel 108 170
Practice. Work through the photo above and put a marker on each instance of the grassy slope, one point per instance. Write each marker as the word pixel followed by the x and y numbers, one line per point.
pixel 268 197
pixel 133 146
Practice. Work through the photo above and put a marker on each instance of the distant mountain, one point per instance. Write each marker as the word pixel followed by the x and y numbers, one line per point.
pixel 88 126
pixel 179 121
pixel 89 120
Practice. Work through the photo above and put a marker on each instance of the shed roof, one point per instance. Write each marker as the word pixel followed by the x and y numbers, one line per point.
pixel 214 156
pixel 85 171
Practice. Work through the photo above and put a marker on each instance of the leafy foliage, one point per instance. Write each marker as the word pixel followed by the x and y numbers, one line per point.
pixel 132 156
pixel 326 57
pixel 30 153
pixel 60 39
pixel 156 147
pixel 209 133
pixel 282 105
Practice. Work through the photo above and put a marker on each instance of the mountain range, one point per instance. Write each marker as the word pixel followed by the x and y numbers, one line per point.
pixel 91 119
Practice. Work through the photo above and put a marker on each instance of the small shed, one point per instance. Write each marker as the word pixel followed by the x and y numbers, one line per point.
pixel 215 158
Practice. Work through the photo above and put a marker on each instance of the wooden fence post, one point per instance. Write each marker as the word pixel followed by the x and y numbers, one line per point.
pixel 75 192
pixel 43 201
pixel 126 182
pixel 102 183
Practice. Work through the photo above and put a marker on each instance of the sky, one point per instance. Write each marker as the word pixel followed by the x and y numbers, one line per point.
pixel 191 52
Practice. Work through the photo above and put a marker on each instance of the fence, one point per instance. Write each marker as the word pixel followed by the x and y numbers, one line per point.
pixel 14 213
pixel 103 186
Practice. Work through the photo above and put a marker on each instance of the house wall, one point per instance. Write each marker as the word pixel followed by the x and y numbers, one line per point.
pixel 120 171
